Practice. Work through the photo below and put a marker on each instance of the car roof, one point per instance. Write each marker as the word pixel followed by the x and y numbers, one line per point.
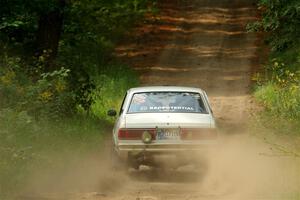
pixel 164 89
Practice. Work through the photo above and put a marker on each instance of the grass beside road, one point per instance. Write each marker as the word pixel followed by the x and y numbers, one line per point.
pixel 44 124
pixel 29 146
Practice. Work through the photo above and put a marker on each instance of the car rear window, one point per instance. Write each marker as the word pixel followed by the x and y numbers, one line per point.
pixel 157 102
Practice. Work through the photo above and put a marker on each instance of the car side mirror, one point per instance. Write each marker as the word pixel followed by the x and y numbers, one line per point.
pixel 111 113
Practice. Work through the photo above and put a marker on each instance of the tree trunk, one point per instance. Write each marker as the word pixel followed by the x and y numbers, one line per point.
pixel 49 31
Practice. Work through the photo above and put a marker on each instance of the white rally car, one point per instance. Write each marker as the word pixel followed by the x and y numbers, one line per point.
pixel 162 120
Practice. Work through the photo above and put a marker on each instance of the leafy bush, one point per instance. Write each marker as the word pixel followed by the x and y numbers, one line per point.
pixel 280 18
pixel 279 93
pixel 278 88
pixel 86 41
pixel 111 88
pixel 91 30
pixel 280 102
pixel 46 97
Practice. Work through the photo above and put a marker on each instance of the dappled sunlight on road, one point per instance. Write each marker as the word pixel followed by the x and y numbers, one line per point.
pixel 205 44
pixel 201 44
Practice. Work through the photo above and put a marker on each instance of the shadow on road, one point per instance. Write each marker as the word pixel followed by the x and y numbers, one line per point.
pixel 168 175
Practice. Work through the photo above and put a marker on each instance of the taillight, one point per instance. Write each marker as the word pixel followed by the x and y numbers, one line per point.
pixel 199 134
pixel 135 134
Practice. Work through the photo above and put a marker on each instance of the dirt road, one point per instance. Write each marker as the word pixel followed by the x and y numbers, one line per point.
pixel 204 43
pixel 200 43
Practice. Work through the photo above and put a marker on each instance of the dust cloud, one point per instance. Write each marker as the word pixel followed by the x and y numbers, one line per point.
pixel 244 167
pixel 239 167
pixel 81 175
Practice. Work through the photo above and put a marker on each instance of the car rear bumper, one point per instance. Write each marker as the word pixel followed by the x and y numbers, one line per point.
pixel 124 149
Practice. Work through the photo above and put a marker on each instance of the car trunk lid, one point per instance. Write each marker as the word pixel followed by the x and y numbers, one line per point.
pixel 168 120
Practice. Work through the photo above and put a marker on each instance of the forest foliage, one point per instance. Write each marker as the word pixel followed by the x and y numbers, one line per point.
pixel 54 53
pixel 58 77
pixel 278 87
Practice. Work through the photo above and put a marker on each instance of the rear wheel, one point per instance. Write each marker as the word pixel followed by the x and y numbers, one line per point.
pixel 133 162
